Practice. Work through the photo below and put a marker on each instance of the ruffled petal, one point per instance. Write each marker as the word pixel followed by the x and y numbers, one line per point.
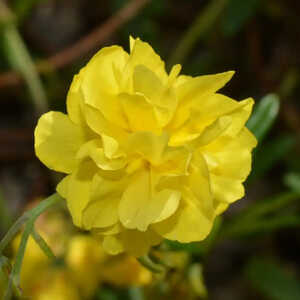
pixel 226 189
pixel 199 184
pixel 112 245
pixel 138 243
pixel 63 186
pixel 134 242
pixel 149 145
pixel 210 118
pixel 57 140
pixel 139 113
pixel 192 91
pixel 147 83
pixel 174 162
pixel 78 190
pixel 231 157
pixel 187 225
pixel 111 147
pixel 101 213
pixel 140 205
pixel 75 99
pixel 111 230
pixel 142 53
pixel 100 125
pixel 93 149
pixel 104 96
pixel 102 210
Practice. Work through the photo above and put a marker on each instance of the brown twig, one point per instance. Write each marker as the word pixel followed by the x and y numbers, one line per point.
pixel 81 47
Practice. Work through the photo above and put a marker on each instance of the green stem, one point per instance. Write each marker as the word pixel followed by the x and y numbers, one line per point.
pixel 150 265
pixel 43 244
pixel 21 61
pixel 12 232
pixel 202 24
pixel 34 213
pixel 29 217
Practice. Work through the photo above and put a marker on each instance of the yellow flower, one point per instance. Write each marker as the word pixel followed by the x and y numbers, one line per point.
pixel 124 270
pixel 85 256
pixel 149 155
pixel 55 284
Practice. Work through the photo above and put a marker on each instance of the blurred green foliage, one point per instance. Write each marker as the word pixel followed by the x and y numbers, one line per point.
pixel 272 280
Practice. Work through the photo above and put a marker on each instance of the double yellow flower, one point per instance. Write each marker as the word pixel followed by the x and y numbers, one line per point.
pixel 148 155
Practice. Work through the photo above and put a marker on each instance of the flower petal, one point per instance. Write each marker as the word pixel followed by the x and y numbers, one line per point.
pixel 63 186
pixel 139 113
pixel 101 213
pixel 147 83
pixel 112 245
pixel 140 206
pixel 75 99
pixel 93 149
pixel 111 230
pixel 138 243
pixel 231 157
pixel 192 91
pixel 188 224
pixel 226 189
pixel 134 242
pixel 104 96
pixel 149 145
pixel 111 147
pixel 78 190
pixel 212 131
pixel 100 125
pixel 143 54
pixel 57 140
pixel 102 210
pixel 198 183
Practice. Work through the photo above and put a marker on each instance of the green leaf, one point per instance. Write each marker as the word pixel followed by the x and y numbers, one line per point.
pixel 269 154
pixel 272 280
pixel 237 14
pixel 264 115
pixel 261 217
pixel 292 180
pixel 261 226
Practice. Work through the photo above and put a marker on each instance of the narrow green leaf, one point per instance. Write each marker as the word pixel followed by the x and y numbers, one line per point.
pixel 269 154
pixel 261 226
pixel 19 58
pixel 272 280
pixel 262 217
pixel 263 116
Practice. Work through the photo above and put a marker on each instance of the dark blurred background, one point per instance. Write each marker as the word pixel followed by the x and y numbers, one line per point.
pixel 43 43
